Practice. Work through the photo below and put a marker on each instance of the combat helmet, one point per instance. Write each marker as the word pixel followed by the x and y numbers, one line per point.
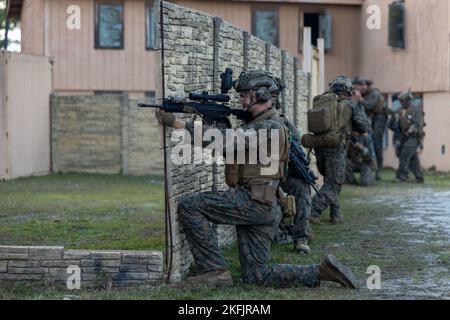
pixel 341 84
pixel 263 82
pixel 406 96
pixel 362 80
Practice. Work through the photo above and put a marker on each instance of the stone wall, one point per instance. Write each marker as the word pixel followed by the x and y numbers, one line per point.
pixel 104 134
pixel 98 269
pixel 197 49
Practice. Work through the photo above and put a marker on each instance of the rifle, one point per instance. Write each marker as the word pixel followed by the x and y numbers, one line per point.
pixel 300 165
pixel 207 107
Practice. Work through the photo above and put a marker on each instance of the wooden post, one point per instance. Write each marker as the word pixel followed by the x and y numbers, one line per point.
pixel 321 47
pixel 307 50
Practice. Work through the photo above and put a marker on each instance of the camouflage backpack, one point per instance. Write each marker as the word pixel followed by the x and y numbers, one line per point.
pixel 327 121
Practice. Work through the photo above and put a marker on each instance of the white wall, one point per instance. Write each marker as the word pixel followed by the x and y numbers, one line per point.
pixel 25 115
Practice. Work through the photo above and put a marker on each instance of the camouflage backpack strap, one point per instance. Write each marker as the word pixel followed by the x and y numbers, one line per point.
pixel 287 144
pixel 344 115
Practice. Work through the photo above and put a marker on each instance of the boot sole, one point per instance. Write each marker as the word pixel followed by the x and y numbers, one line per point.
pixel 316 221
pixel 344 274
pixel 215 282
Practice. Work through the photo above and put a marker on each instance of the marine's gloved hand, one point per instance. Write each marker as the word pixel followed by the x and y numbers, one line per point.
pixel 357 96
pixel 420 148
pixel 302 140
pixel 165 118
pixel 188 109
pixel 360 146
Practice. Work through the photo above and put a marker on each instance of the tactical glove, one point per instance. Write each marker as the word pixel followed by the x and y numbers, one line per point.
pixel 165 118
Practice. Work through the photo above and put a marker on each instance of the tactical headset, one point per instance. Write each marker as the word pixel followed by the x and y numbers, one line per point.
pixel 264 84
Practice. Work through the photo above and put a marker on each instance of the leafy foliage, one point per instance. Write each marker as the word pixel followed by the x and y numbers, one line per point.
pixel 12 24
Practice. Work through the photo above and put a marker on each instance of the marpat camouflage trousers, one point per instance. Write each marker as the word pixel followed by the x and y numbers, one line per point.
pixel 367 177
pixel 378 132
pixel 256 224
pixel 409 159
pixel 302 193
pixel 331 165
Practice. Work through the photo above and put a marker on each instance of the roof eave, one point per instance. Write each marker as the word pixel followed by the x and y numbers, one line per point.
pixel 14 8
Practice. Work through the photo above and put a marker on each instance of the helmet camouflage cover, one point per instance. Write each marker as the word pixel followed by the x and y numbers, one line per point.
pixel 405 95
pixel 263 82
pixel 341 84
pixel 362 80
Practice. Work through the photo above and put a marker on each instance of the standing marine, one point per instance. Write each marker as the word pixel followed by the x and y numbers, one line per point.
pixel 332 120
pixel 374 104
pixel 250 203
pixel 394 125
pixel 411 121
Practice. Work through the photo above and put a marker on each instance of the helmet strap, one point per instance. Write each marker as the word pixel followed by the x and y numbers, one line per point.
pixel 252 101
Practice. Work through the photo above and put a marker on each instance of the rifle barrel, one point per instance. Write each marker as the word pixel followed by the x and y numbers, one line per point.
pixel 145 105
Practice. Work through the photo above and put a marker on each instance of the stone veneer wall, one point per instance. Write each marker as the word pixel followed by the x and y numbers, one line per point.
pixel 104 134
pixel 198 47
pixel 98 268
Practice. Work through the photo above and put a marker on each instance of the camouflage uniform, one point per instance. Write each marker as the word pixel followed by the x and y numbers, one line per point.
pixel 256 224
pixel 394 125
pixel 410 119
pixel 331 165
pixel 361 159
pixel 302 193
pixel 373 103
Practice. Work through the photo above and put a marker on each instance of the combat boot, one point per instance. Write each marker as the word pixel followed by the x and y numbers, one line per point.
pixel 399 180
pixel 420 180
pixel 336 220
pixel 378 176
pixel 330 269
pixel 301 246
pixel 314 219
pixel 218 278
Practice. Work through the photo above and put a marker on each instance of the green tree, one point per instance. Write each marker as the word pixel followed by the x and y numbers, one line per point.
pixel 12 24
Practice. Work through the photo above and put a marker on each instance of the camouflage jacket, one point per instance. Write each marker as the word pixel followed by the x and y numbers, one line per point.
pixel 249 143
pixel 360 123
pixel 411 121
pixel 361 150
pixel 373 103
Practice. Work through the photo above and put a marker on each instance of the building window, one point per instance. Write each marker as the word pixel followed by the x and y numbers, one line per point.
pixel 321 25
pixel 107 93
pixel 265 24
pixel 109 25
pixel 397 25
pixel 150 17
pixel 150 95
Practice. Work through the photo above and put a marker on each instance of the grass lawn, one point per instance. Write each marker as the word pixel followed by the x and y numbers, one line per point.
pixel 123 212
pixel 83 211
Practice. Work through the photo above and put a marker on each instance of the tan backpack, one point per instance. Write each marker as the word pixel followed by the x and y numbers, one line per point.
pixel 327 121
